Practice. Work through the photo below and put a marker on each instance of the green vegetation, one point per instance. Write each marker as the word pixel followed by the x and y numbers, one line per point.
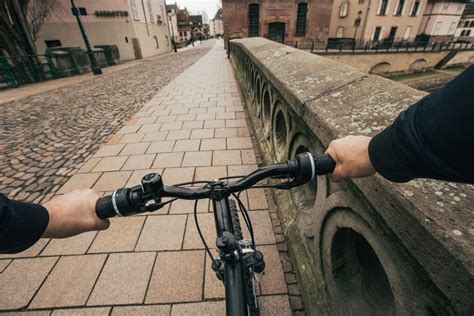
pixel 414 75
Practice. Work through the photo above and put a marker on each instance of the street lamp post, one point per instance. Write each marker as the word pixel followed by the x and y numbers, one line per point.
pixel 94 65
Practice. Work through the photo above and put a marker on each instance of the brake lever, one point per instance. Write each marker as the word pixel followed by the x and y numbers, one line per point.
pixel 151 207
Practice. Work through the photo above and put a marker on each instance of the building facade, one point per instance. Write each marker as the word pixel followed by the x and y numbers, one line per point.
pixel 216 25
pixel 364 22
pixel 285 21
pixel 440 20
pixel 465 29
pixel 172 11
pixel 197 27
pixel 184 25
pixel 138 31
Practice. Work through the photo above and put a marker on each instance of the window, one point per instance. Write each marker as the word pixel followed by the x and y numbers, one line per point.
pixel 437 29
pixel 466 24
pixel 472 24
pixel 301 19
pixel 400 7
pixel 415 8
pixel 163 14
pixel 126 39
pixel 445 7
pixel 463 32
pixel 377 33
pixel 134 9
pixel 383 7
pixel 468 33
pixel 361 1
pixel 452 28
pixel 406 35
pixel 340 32
pixel 156 42
pixel 254 23
pixel 53 43
pixel 181 34
pixel 150 10
pixel 167 40
pixel 343 10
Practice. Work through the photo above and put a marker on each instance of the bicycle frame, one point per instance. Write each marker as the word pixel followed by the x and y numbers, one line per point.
pixel 129 201
pixel 235 298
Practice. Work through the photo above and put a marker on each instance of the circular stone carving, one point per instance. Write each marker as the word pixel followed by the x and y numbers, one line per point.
pixel 355 275
pixel 257 92
pixel 280 133
pixel 266 110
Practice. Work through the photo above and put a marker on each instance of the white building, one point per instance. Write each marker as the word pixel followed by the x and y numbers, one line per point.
pixel 138 31
pixel 465 30
pixel 172 11
pixel 440 20
pixel 216 25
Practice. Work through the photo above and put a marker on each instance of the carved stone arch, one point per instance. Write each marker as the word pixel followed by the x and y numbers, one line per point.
pixel 363 268
pixel 266 113
pixel 380 68
pixel 418 65
pixel 280 132
pixel 257 91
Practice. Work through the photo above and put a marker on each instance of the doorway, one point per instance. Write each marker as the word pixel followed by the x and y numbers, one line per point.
pixel 391 35
pixel 276 31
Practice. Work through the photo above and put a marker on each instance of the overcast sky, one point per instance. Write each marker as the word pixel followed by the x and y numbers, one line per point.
pixel 210 6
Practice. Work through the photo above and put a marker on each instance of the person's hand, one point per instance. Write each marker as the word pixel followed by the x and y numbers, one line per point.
pixel 72 214
pixel 351 154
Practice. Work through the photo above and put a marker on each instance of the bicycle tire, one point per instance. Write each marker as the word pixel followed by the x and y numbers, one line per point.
pixel 250 290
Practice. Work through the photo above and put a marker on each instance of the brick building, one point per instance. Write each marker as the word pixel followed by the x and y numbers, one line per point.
pixel 280 20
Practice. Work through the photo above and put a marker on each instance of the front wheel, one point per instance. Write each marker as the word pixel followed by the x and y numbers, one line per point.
pixel 250 290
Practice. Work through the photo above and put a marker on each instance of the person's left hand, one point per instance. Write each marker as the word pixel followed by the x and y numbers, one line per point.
pixel 72 214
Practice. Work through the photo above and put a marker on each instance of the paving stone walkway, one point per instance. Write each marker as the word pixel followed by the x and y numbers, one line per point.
pixel 193 129
pixel 44 137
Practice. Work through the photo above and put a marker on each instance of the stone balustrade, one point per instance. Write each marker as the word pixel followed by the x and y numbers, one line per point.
pixel 365 246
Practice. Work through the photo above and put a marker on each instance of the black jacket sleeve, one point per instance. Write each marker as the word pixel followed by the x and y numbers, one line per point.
pixel 433 138
pixel 21 224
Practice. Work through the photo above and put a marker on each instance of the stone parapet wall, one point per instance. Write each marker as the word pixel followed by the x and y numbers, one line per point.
pixel 402 62
pixel 366 246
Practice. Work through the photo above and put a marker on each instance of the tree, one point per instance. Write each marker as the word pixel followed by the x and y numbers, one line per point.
pixel 20 22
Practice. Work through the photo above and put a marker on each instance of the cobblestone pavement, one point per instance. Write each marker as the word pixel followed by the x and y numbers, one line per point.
pixel 194 129
pixel 46 137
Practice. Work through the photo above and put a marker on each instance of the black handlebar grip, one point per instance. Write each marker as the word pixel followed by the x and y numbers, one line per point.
pixel 324 164
pixel 104 207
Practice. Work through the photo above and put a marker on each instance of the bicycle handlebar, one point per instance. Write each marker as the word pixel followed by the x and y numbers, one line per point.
pixel 129 201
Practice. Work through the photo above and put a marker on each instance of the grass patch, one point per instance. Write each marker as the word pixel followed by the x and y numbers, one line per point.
pixel 412 75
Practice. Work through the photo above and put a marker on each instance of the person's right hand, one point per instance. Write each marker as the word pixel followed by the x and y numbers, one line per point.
pixel 72 214
pixel 351 154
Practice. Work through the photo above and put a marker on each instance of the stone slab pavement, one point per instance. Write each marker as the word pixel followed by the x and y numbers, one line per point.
pixel 193 129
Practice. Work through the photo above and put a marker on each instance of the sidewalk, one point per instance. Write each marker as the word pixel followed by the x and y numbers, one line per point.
pixel 193 129
pixel 43 86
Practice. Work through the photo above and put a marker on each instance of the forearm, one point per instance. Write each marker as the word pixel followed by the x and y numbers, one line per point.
pixel 433 138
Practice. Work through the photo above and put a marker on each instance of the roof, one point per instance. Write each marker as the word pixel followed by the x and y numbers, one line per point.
pixel 218 14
